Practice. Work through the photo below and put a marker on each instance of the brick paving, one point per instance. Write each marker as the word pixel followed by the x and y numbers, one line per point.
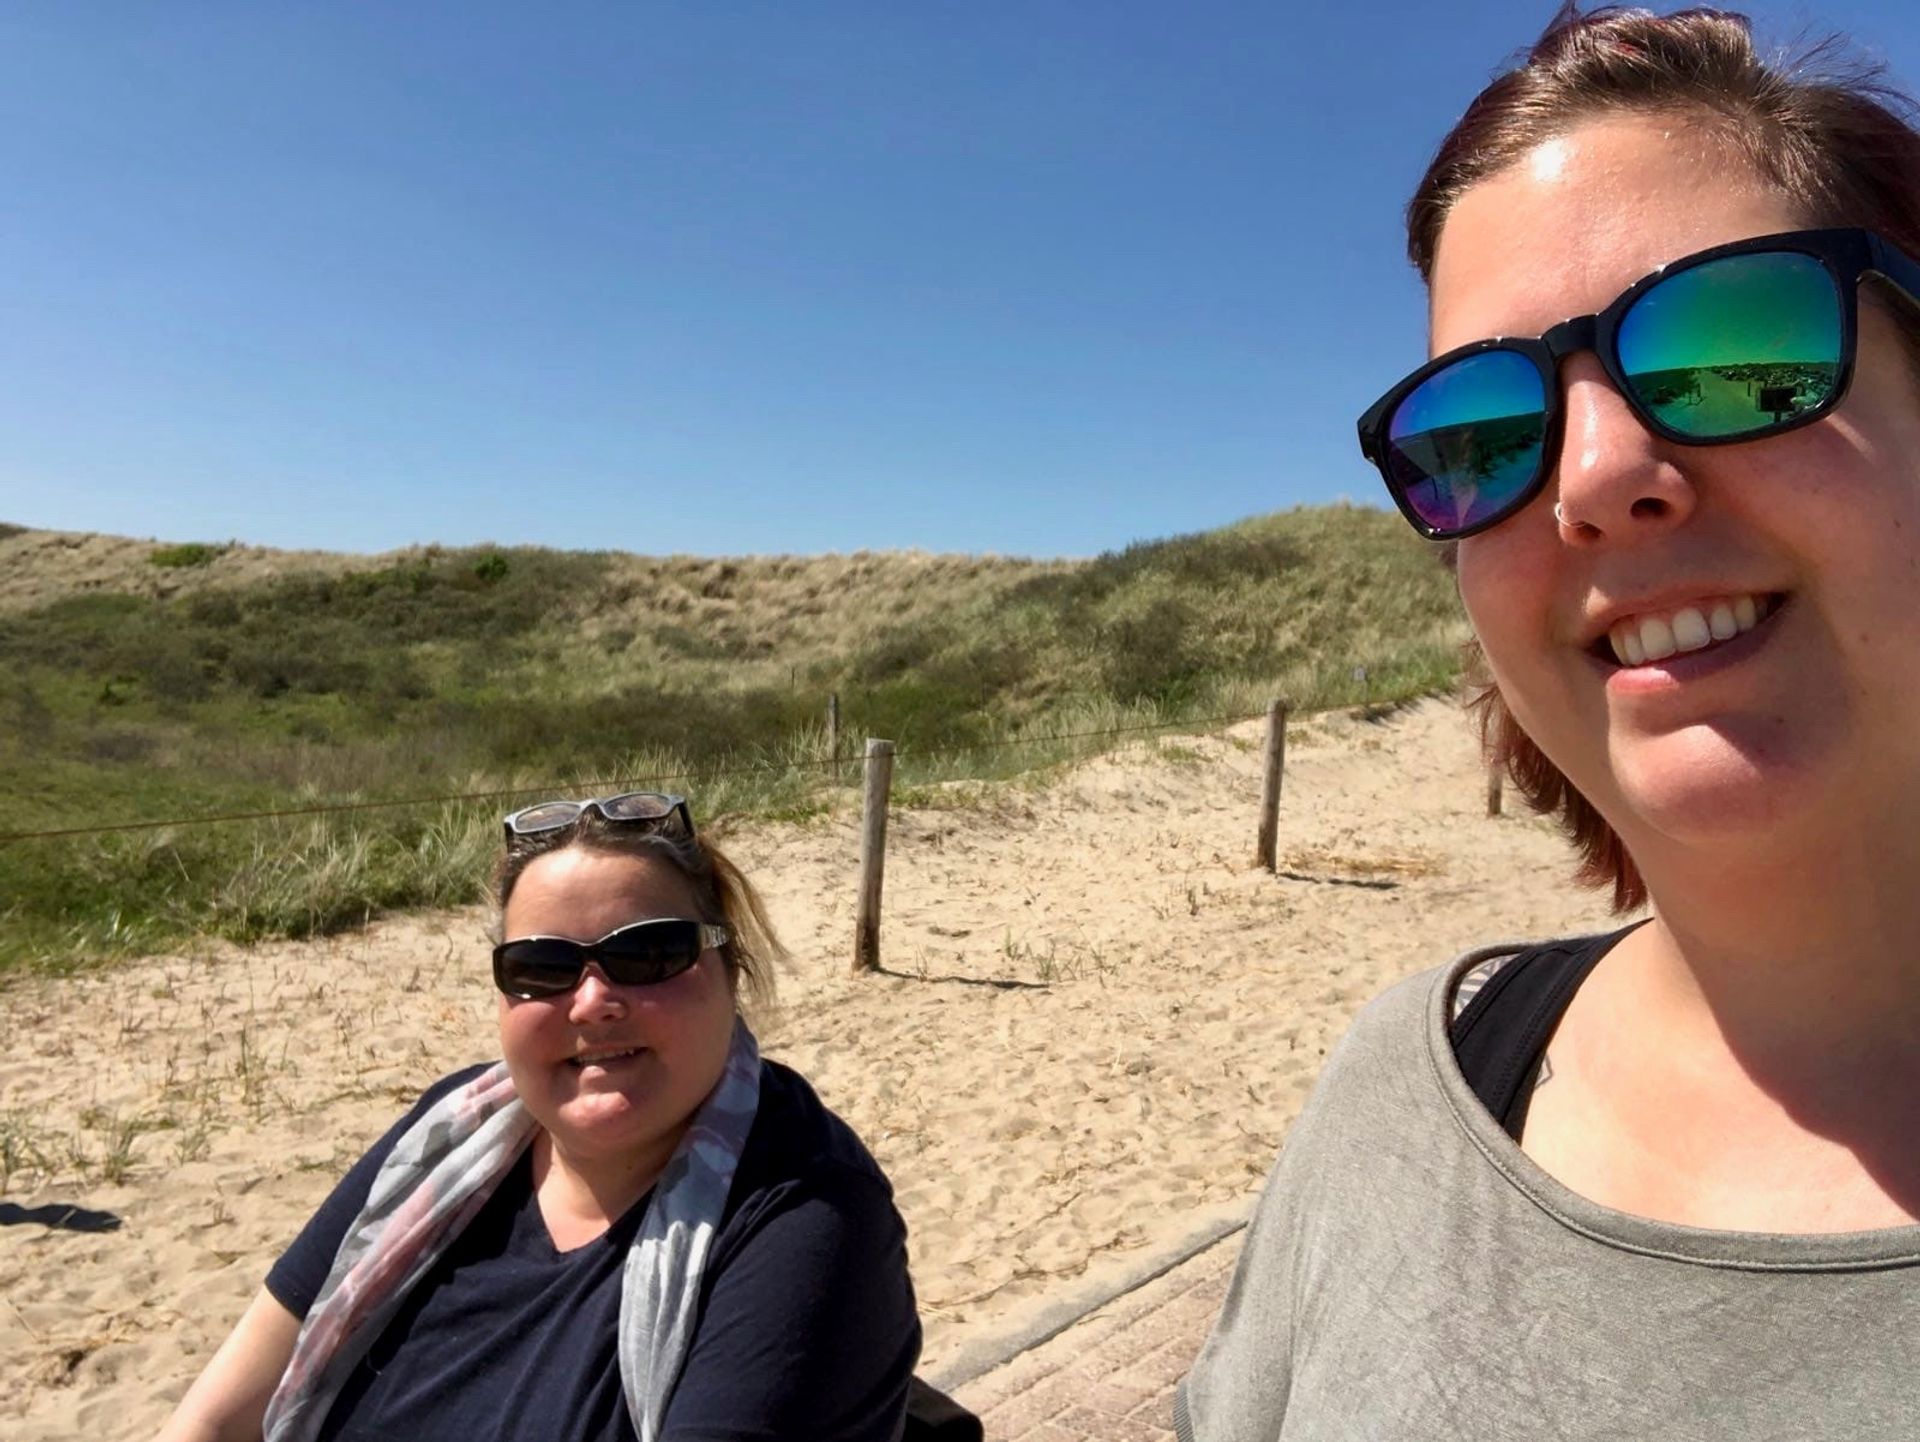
pixel 1110 1376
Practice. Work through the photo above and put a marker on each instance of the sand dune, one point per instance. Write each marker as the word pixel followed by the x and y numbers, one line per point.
pixel 1097 1020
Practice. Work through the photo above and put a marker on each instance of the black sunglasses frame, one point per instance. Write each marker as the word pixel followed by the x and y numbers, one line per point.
pixel 700 936
pixel 677 810
pixel 1846 253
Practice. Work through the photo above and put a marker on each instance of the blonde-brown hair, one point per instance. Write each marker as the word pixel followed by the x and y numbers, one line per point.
pixel 1836 140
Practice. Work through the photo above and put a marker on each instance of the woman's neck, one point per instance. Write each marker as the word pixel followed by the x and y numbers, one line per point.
pixel 1767 1024
pixel 1801 952
pixel 580 1197
pixel 1751 1058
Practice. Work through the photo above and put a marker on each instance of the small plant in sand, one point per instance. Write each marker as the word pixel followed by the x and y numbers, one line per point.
pixel 25 1148
pixel 1048 965
pixel 117 1138
pixel 193 1139
pixel 1097 959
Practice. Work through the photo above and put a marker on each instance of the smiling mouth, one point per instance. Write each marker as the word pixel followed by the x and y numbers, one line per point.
pixel 604 1058
pixel 1656 636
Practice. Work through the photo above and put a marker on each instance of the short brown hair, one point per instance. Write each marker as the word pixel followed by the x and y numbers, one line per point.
pixel 1829 135
pixel 722 894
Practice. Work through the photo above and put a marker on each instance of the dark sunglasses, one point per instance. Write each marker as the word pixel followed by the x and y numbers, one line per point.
pixel 1732 344
pixel 644 953
pixel 653 809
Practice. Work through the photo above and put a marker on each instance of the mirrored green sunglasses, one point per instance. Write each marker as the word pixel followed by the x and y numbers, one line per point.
pixel 1736 343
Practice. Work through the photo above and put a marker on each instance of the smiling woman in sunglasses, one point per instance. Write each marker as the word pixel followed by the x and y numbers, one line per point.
pixel 631 1226
pixel 1664 1182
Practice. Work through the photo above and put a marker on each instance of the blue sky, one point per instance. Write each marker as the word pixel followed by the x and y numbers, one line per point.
pixel 719 277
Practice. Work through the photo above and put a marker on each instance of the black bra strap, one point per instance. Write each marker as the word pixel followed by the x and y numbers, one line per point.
pixel 1499 1038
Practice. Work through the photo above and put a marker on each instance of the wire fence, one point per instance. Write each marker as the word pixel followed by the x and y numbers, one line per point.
pixel 709 774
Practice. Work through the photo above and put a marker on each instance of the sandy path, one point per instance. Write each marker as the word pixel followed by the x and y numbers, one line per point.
pixel 1176 1005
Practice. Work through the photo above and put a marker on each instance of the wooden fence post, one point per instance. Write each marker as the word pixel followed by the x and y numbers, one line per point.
pixel 833 735
pixel 1495 777
pixel 1276 758
pixel 873 854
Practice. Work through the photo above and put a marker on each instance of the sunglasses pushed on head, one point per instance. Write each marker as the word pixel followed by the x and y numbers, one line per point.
pixel 654 810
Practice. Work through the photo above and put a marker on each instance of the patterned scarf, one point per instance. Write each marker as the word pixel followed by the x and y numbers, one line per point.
pixel 436 1179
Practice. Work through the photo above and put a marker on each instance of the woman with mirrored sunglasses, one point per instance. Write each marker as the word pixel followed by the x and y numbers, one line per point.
pixel 1663 1182
pixel 632 1226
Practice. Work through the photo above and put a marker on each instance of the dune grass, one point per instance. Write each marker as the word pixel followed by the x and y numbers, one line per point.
pixel 494 670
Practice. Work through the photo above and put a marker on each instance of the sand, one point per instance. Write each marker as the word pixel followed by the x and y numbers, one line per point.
pixel 1097 1020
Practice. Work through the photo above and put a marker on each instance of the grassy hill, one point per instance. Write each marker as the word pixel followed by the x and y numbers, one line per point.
pixel 150 681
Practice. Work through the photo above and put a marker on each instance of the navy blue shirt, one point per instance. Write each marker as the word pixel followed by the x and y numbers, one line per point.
pixel 807 1325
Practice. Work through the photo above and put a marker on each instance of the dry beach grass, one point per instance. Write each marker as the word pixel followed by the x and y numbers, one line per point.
pixel 1096 1022
pixel 797 609
pixel 195 679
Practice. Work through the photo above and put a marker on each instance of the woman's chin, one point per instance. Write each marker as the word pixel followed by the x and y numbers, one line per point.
pixel 1705 786
pixel 600 1111
pixel 608 1127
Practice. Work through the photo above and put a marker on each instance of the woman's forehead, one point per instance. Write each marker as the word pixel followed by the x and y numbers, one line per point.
pixel 1580 217
pixel 604 882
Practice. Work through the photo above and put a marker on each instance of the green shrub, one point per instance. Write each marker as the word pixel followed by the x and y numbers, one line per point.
pixel 915 711
pixel 188 553
pixel 32 719
pixel 1155 652
pixel 687 642
pixel 899 650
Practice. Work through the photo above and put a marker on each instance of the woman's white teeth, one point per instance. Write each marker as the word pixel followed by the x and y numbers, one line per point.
pixel 1690 631
pixel 604 1056
pixel 1690 628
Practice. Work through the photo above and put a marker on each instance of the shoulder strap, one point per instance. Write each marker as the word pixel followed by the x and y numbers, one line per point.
pixel 1502 1031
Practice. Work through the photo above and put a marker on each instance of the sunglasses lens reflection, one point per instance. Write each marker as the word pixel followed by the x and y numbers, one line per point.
pixel 547 816
pixel 538 966
pixel 636 806
pixel 651 952
pixel 1737 346
pixel 1465 445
